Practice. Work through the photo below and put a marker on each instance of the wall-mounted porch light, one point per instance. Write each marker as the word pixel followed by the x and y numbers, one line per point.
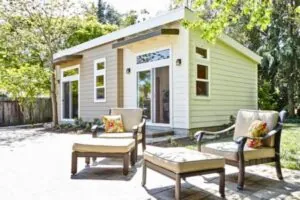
pixel 128 70
pixel 178 62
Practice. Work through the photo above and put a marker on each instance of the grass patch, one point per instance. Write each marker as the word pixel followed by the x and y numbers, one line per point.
pixel 290 145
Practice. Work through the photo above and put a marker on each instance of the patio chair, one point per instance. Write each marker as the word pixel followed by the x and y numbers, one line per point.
pixel 134 124
pixel 238 154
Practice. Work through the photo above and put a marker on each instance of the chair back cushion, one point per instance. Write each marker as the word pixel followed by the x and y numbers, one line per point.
pixel 245 118
pixel 130 116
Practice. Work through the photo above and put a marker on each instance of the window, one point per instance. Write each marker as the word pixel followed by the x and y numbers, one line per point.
pixel 202 52
pixel 70 72
pixel 202 82
pixel 153 56
pixel 99 79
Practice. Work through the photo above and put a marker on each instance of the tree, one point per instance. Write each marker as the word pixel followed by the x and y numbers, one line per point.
pixel 107 14
pixel 43 28
pixel 89 28
pixel 129 18
pixel 24 84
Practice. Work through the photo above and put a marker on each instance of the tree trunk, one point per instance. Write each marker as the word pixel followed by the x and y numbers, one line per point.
pixel 54 97
pixel 291 102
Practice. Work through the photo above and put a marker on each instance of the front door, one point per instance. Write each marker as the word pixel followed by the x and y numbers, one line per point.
pixel 153 94
pixel 70 93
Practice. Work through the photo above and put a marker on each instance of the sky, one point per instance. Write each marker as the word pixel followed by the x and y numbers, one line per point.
pixel 153 6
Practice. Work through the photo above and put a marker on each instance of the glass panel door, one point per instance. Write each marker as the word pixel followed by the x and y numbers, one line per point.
pixel 144 92
pixel 162 99
pixel 70 99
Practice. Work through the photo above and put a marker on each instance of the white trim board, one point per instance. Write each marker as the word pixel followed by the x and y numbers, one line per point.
pixel 172 16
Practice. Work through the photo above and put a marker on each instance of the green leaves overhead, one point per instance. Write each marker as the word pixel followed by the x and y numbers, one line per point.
pixel 213 17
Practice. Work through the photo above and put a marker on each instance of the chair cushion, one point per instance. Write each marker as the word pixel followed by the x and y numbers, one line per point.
pixel 246 117
pixel 130 116
pixel 100 145
pixel 229 151
pixel 113 124
pixel 120 135
pixel 181 160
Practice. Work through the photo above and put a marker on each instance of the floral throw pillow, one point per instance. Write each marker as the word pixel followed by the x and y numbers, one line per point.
pixel 113 124
pixel 257 129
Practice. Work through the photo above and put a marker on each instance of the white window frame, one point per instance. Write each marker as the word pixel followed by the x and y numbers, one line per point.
pixel 198 56
pixel 203 80
pixel 101 72
pixel 63 79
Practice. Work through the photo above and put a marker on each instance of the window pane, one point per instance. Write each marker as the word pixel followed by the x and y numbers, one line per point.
pixel 154 56
pixel 201 52
pixel 100 81
pixel 100 93
pixel 202 72
pixel 100 65
pixel 201 88
pixel 70 72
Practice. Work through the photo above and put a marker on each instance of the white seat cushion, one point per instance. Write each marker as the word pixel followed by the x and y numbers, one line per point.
pixel 246 117
pixel 180 160
pixel 230 151
pixel 120 135
pixel 100 145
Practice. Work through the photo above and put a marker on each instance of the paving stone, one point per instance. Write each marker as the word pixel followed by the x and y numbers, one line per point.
pixel 35 164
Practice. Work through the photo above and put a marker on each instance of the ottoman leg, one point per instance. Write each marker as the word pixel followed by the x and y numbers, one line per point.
pixel 144 179
pixel 74 163
pixel 132 157
pixel 177 187
pixel 125 164
pixel 222 183
pixel 87 161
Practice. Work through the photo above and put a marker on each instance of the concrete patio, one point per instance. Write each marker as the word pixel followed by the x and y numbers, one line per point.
pixel 35 164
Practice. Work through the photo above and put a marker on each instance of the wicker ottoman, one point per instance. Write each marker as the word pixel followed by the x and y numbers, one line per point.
pixel 180 163
pixel 98 147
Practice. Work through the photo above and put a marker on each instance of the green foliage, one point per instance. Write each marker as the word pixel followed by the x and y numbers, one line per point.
pixel 25 83
pixel 213 17
pixel 87 29
pixel 267 97
pixel 130 18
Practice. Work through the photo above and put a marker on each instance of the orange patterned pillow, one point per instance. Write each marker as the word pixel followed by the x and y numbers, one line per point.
pixel 257 129
pixel 113 124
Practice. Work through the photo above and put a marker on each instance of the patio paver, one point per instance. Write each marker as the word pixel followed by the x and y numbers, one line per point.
pixel 36 165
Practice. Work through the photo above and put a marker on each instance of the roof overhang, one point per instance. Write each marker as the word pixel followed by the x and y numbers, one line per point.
pixel 145 36
pixel 67 58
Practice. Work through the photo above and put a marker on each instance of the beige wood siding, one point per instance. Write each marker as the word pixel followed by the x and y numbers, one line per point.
pixel 88 108
pixel 233 84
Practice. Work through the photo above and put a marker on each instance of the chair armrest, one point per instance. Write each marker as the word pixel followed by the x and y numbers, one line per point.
pixel 95 129
pixel 199 134
pixel 140 126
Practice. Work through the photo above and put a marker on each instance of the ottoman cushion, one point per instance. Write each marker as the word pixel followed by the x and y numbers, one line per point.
pixel 181 160
pixel 101 145
pixel 120 135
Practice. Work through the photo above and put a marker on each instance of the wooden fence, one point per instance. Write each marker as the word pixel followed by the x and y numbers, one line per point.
pixel 11 113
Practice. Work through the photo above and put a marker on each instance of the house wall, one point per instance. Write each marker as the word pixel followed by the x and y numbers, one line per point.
pixel 233 84
pixel 89 109
pixel 178 75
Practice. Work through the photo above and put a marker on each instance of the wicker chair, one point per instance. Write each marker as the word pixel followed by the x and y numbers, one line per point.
pixel 134 124
pixel 239 155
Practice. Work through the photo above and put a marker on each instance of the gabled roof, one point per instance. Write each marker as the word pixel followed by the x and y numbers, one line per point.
pixel 172 16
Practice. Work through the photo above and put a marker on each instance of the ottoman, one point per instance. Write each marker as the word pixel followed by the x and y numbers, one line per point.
pixel 99 147
pixel 178 163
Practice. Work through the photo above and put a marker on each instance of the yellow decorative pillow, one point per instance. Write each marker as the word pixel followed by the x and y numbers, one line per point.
pixel 257 129
pixel 113 124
